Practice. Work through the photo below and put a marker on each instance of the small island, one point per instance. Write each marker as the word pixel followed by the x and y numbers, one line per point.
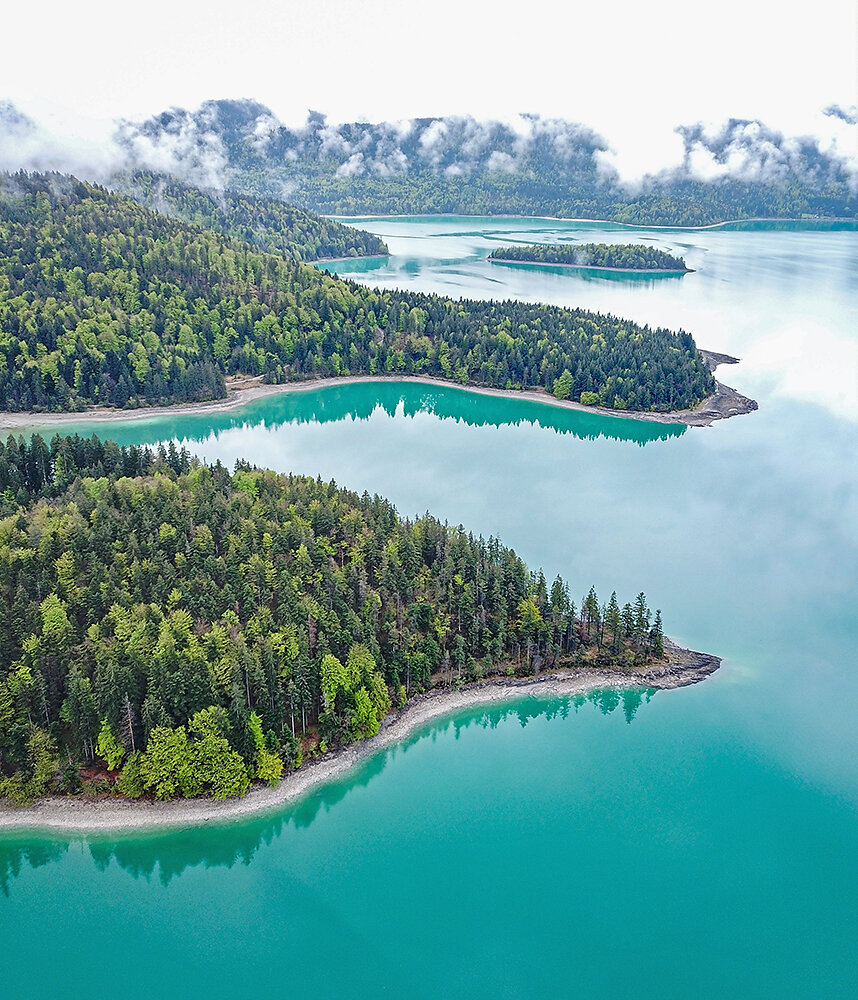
pixel 601 256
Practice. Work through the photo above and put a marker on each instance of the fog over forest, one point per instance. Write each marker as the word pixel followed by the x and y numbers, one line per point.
pixel 206 145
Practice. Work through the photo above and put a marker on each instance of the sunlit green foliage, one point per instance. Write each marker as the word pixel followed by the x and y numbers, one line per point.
pixel 130 782
pixel 104 302
pixel 562 387
pixel 206 629
pixel 269 767
pixel 108 746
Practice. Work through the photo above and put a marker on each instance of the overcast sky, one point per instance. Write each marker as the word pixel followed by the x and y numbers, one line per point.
pixel 630 68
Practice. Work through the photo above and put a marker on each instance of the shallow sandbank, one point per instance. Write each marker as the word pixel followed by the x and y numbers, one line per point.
pixel 680 668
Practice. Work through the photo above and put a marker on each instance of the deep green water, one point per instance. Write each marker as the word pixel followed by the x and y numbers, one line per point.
pixel 700 843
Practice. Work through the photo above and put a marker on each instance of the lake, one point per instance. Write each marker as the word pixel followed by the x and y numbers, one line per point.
pixel 693 843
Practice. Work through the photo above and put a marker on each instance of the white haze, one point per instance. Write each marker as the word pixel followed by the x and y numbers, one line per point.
pixel 459 146
pixel 632 72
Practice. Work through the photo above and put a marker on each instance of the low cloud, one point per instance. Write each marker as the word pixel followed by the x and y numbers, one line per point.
pixel 190 145
pixel 203 147
pixel 75 148
pixel 848 115
pixel 752 152
pixel 503 163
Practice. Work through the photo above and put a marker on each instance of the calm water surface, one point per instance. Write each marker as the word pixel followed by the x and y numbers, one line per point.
pixel 698 843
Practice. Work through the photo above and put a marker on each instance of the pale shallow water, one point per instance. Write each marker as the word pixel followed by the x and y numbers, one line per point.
pixel 706 848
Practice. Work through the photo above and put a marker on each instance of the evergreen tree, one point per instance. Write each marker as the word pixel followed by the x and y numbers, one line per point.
pixel 196 624
pixel 183 308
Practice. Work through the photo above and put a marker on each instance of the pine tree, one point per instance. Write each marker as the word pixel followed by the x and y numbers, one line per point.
pixel 614 623
pixel 641 621
pixel 127 724
pixel 656 638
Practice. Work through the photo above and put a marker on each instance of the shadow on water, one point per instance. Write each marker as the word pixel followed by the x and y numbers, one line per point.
pixel 23 851
pixel 359 265
pixel 166 854
pixel 360 401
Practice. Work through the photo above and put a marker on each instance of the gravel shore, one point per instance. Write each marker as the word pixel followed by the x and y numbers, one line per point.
pixel 724 402
pixel 680 668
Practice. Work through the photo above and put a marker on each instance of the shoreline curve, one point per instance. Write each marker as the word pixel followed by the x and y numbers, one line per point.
pixel 810 225
pixel 682 667
pixel 723 403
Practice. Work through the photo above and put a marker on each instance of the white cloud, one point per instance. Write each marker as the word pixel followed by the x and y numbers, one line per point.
pixel 353 166
pixel 636 152
pixel 432 141
pixel 501 162
pixel 266 126
pixel 632 71
pixel 190 144
pixel 187 149
pixel 69 144
pixel 630 62
pixel 396 162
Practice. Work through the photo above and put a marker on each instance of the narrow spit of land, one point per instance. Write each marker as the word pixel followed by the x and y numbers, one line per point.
pixel 724 402
pixel 680 668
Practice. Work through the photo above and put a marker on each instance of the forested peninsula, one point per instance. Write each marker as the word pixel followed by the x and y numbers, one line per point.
pixel 105 302
pixel 171 629
pixel 607 256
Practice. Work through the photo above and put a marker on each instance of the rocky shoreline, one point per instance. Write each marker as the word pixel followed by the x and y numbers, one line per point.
pixel 680 668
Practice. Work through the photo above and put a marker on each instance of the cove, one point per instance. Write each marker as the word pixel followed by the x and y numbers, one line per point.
pixel 458 830
pixel 359 402
pixel 704 848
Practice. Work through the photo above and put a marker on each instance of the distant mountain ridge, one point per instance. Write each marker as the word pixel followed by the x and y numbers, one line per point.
pixel 463 166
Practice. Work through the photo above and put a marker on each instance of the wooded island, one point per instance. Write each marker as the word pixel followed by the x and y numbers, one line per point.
pixel 606 256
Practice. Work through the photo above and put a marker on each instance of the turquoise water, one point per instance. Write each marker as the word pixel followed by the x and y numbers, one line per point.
pixel 695 843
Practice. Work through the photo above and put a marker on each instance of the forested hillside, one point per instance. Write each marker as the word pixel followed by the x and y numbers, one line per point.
pixel 623 256
pixel 199 629
pixel 461 165
pixel 680 202
pixel 105 302
pixel 268 224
